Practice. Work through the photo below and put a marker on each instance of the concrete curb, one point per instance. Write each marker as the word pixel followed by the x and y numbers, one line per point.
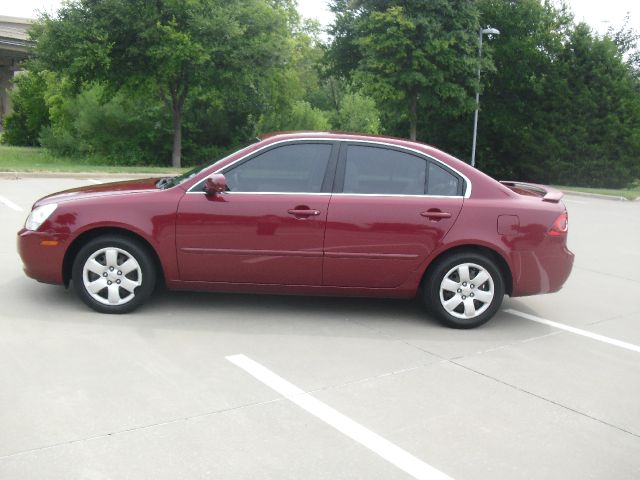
pixel 83 175
pixel 598 195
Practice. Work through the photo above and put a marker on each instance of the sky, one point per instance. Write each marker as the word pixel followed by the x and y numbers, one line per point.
pixel 597 13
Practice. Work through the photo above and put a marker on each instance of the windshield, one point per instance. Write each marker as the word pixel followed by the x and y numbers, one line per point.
pixel 177 180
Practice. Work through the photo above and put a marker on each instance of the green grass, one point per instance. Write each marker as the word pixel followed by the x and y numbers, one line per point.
pixel 27 159
pixel 629 193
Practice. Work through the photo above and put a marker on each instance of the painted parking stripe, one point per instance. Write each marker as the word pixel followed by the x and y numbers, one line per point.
pixel 577 331
pixel 10 204
pixel 374 442
pixel 93 180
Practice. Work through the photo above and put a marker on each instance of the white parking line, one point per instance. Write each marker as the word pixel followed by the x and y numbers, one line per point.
pixel 92 180
pixel 10 204
pixel 577 331
pixel 374 442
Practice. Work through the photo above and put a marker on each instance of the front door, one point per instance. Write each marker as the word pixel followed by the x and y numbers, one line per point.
pixel 268 228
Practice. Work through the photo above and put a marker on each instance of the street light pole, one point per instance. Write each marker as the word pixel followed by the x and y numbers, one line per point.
pixel 488 31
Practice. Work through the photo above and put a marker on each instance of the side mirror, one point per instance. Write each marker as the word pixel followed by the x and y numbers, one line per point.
pixel 215 184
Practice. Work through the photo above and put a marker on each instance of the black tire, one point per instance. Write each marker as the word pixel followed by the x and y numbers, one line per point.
pixel 456 318
pixel 124 249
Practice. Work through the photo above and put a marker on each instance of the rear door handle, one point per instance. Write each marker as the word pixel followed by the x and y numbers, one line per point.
pixel 435 214
pixel 303 212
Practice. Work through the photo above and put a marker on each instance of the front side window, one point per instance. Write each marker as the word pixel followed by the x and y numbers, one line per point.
pixel 297 168
pixel 376 170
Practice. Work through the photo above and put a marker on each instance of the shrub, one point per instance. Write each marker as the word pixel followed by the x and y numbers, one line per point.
pixel 126 128
pixel 358 113
pixel 30 112
pixel 300 116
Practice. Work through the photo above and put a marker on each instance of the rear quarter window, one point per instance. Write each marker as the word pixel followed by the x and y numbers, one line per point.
pixel 441 182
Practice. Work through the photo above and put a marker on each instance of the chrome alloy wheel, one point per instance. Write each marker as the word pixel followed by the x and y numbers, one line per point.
pixel 466 291
pixel 111 276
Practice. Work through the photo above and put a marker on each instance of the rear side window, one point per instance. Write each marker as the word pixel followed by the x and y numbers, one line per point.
pixel 298 168
pixel 441 182
pixel 376 170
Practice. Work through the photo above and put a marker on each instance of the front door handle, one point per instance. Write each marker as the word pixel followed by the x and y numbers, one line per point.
pixel 435 214
pixel 303 212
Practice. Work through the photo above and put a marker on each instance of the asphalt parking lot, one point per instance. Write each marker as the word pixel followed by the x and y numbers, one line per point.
pixel 219 386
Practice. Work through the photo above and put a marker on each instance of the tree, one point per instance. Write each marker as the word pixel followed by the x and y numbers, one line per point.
pixel 30 113
pixel 409 56
pixel 626 39
pixel 563 105
pixel 601 127
pixel 170 46
pixel 516 110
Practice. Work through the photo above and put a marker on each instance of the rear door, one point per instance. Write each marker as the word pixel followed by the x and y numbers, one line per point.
pixel 390 208
pixel 269 227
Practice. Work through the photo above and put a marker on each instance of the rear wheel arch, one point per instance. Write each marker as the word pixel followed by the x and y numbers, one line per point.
pixel 85 237
pixel 498 258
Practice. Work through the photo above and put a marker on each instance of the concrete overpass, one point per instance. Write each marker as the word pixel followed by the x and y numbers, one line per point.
pixel 14 46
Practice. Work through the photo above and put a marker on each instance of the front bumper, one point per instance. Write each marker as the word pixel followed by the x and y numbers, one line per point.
pixel 42 255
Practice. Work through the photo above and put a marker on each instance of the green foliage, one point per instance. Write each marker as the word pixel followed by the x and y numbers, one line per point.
pixel 410 56
pixel 125 129
pixel 30 112
pixel 600 131
pixel 133 81
pixel 358 113
pixel 563 105
pixel 300 116
pixel 234 48
pixel 532 36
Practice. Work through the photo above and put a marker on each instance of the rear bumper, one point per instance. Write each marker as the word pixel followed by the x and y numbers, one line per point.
pixel 42 255
pixel 542 270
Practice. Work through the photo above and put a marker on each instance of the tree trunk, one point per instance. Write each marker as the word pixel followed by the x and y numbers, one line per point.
pixel 413 118
pixel 178 95
pixel 176 153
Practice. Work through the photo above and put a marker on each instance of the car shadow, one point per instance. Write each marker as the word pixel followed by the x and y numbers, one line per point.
pixel 248 314
pixel 263 307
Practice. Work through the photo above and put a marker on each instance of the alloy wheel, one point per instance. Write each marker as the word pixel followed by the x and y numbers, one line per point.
pixel 111 275
pixel 467 290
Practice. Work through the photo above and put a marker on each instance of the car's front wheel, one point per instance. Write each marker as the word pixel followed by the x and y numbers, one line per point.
pixel 464 290
pixel 113 274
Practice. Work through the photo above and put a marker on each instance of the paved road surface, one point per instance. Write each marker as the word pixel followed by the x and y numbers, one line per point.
pixel 217 386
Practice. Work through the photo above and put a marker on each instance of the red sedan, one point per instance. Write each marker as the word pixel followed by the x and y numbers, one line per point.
pixel 308 213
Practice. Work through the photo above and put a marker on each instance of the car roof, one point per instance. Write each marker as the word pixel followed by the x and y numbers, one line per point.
pixel 293 134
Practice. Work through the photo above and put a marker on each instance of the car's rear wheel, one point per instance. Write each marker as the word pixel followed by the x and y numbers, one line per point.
pixel 464 290
pixel 113 274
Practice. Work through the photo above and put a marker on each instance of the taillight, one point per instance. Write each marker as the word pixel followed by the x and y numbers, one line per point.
pixel 560 226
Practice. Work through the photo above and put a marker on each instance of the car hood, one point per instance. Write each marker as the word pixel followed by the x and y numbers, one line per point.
pixel 101 190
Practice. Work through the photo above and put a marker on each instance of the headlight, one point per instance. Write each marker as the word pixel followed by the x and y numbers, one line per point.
pixel 38 216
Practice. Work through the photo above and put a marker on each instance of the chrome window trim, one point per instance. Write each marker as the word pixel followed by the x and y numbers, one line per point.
pixel 468 184
pixel 396 195
pixel 336 194
pixel 317 194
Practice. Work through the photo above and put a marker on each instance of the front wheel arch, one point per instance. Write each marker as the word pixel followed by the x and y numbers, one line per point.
pixel 85 237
